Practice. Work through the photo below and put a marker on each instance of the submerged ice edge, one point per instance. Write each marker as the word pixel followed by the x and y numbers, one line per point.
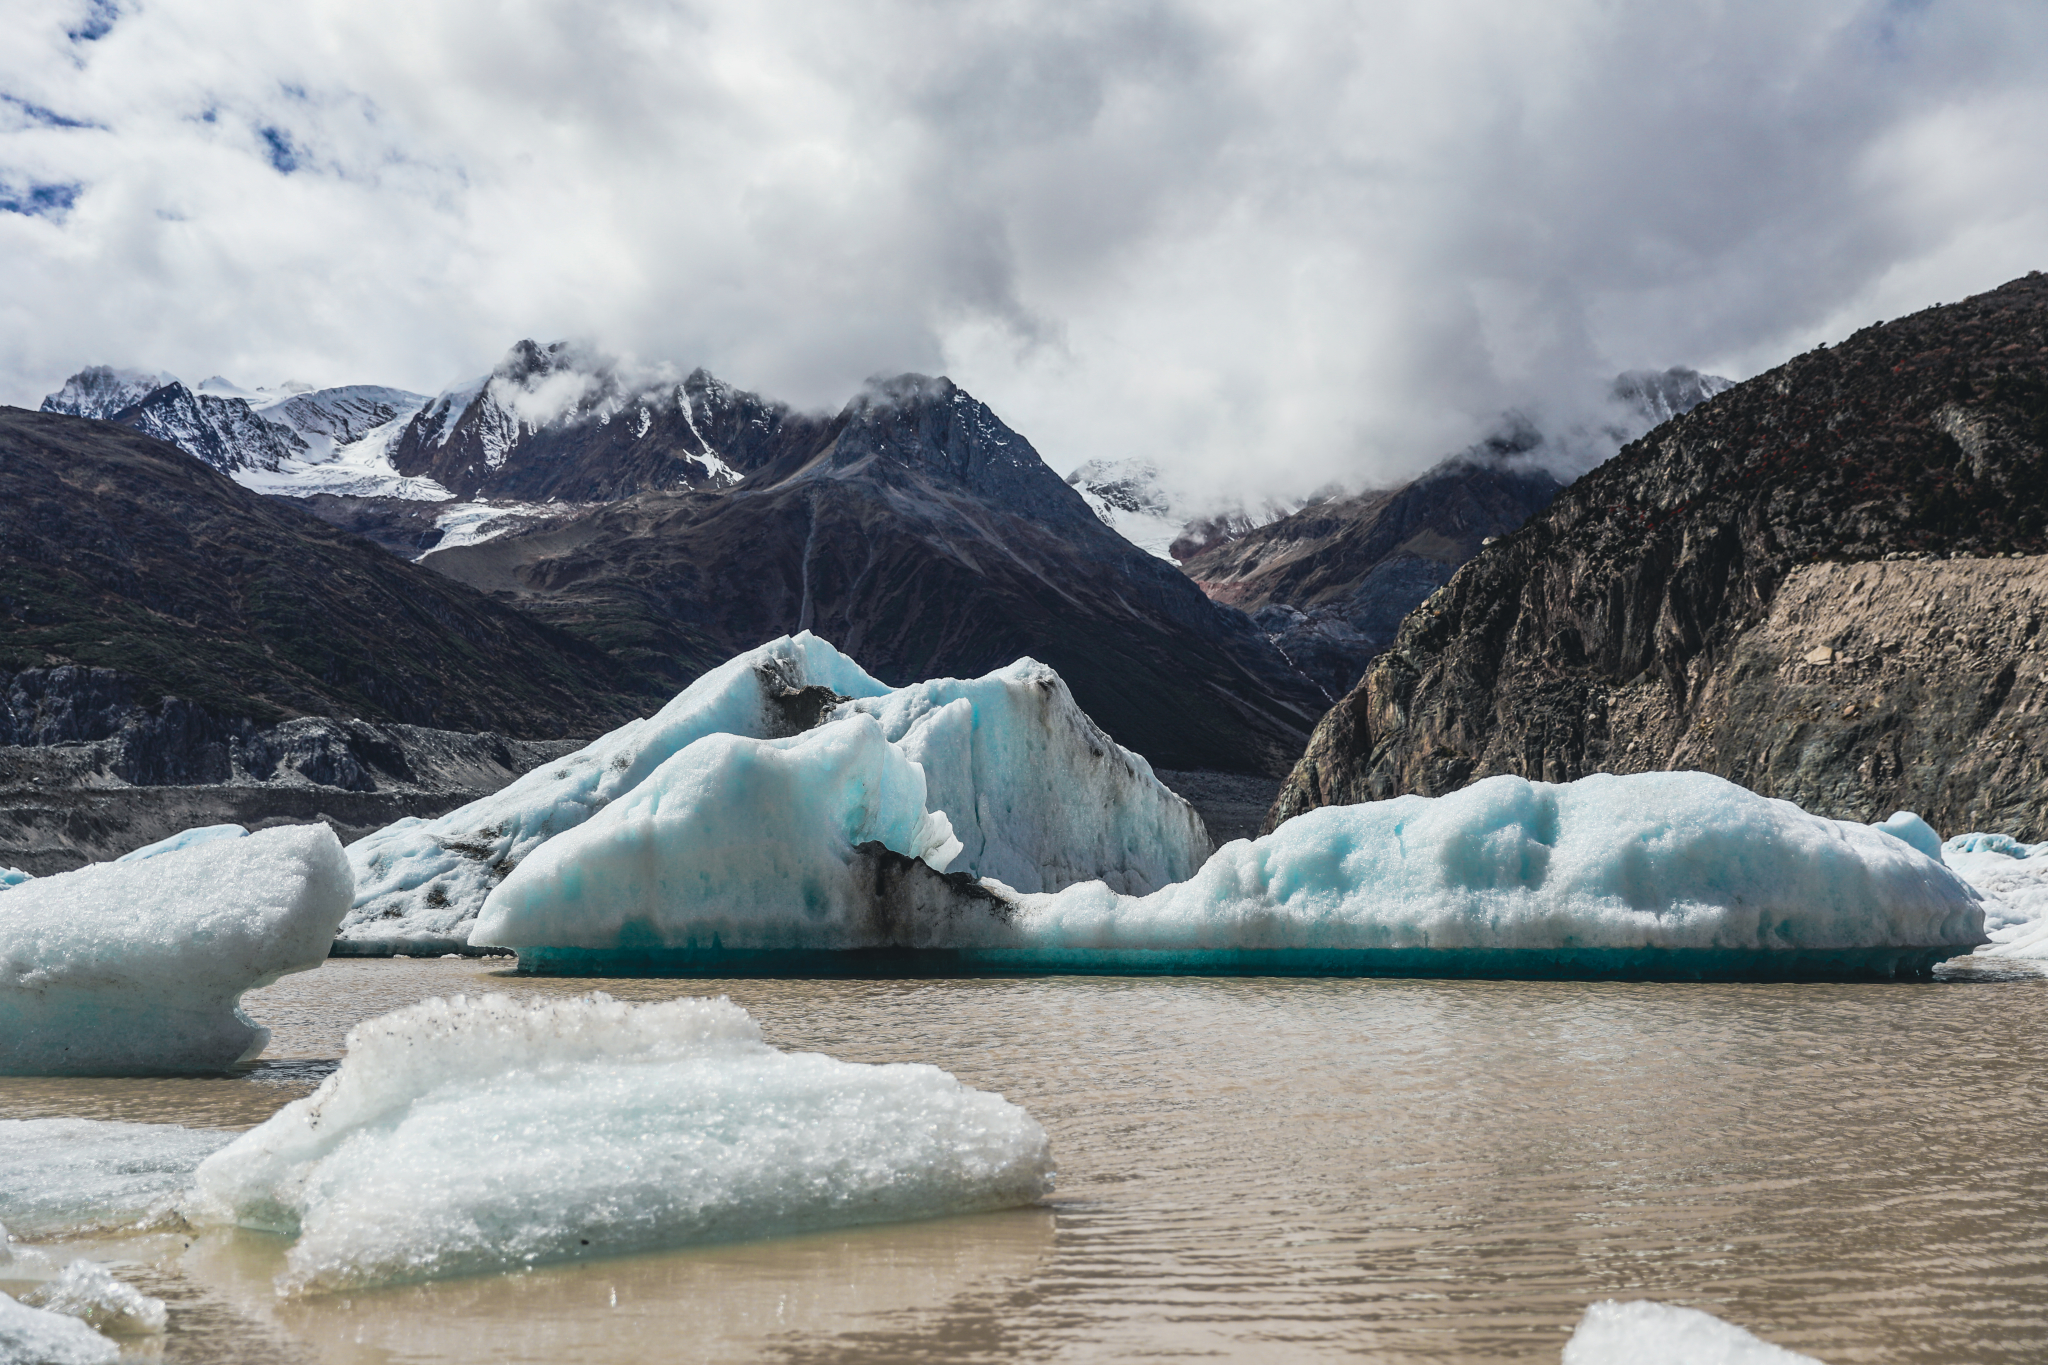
pixel 1496 964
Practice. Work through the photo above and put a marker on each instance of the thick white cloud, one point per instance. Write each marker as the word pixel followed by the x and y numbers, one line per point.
pixel 1258 242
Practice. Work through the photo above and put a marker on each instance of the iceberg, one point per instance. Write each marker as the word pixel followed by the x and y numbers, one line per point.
pixel 1614 1333
pixel 1663 875
pixel 139 966
pixel 72 1176
pixel 2013 879
pixel 36 1336
pixel 1035 793
pixel 477 1134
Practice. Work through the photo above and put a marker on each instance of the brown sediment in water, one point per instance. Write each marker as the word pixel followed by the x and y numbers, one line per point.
pixel 1273 1168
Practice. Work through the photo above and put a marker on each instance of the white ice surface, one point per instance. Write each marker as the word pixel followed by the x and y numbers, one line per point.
pixel 473 523
pixel 36 1336
pixel 2013 878
pixel 1648 1333
pixel 140 965
pixel 191 838
pixel 90 1293
pixel 1039 797
pixel 1650 860
pixel 746 841
pixel 469 1135
pixel 79 1175
pixel 428 878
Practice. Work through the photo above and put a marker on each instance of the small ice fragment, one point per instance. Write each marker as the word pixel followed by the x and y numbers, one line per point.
pixel 12 876
pixel 36 1336
pixel 68 1176
pixel 1645 1331
pixel 91 1294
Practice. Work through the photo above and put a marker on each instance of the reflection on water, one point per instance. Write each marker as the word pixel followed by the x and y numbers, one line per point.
pixel 1281 1169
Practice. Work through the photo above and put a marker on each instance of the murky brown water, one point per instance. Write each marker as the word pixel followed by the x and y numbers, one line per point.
pixel 1278 1170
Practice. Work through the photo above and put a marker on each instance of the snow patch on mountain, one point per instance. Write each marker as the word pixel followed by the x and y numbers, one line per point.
pixel 1138 503
pixel 100 391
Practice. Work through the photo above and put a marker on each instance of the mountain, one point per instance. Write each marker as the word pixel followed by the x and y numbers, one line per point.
pixel 148 597
pixel 560 423
pixel 1330 583
pixel 925 538
pixel 1826 584
pixel 1132 499
pixel 100 391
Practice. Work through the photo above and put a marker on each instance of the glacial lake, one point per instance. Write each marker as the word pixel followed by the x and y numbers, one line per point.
pixel 1269 1169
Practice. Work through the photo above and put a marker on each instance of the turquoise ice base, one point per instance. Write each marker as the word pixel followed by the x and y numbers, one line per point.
pixel 1499 964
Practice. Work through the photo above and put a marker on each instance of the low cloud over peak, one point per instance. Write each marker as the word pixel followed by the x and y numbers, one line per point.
pixel 1272 245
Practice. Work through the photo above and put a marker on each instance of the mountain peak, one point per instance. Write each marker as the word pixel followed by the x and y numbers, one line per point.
pixel 100 391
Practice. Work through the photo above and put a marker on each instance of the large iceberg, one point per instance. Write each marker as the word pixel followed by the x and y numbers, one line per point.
pixel 139 966
pixel 2013 878
pixel 1037 795
pixel 1636 1333
pixel 1657 874
pixel 468 1135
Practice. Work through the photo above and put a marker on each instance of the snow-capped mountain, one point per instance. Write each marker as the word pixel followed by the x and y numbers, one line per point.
pixel 1132 498
pixel 1660 395
pixel 565 423
pixel 100 391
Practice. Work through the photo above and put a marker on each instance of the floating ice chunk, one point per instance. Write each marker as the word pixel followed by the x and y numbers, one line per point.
pixel 139 966
pixel 2013 878
pixel 1614 1333
pixel 426 879
pixel 747 843
pixel 81 1175
pixel 1039 796
pixel 1657 874
pixel 468 1135
pixel 1912 830
pixel 190 838
pixel 36 1336
pixel 91 1294
pixel 12 876
pixel 1587 872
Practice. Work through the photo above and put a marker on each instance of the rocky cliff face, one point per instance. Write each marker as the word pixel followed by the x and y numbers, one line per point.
pixel 925 538
pixel 1825 584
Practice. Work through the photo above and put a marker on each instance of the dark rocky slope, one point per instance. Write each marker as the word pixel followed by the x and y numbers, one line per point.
pixel 147 599
pixel 1330 583
pixel 1825 584
pixel 925 538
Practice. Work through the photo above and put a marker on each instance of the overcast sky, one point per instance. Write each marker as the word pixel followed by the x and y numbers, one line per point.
pixel 1261 244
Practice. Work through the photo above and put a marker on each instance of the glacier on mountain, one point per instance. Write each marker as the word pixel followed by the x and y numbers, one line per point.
pixel 477 1134
pixel 1654 874
pixel 1034 792
pixel 140 966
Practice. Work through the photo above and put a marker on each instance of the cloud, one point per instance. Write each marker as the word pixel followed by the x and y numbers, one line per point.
pixel 1263 246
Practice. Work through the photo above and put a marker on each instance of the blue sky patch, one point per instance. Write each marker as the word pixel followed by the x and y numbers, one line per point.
pixel 38 201
pixel 97 24
pixel 277 144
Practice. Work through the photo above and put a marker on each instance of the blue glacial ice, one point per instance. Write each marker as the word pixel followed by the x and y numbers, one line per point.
pixel 62 1177
pixel 37 1336
pixel 124 967
pixel 1645 1331
pixel 191 838
pixel 1655 874
pixel 12 876
pixel 2013 878
pixel 1035 793
pixel 471 1135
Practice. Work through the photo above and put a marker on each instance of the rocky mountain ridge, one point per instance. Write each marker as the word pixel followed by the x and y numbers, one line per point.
pixel 1824 584
pixel 925 538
